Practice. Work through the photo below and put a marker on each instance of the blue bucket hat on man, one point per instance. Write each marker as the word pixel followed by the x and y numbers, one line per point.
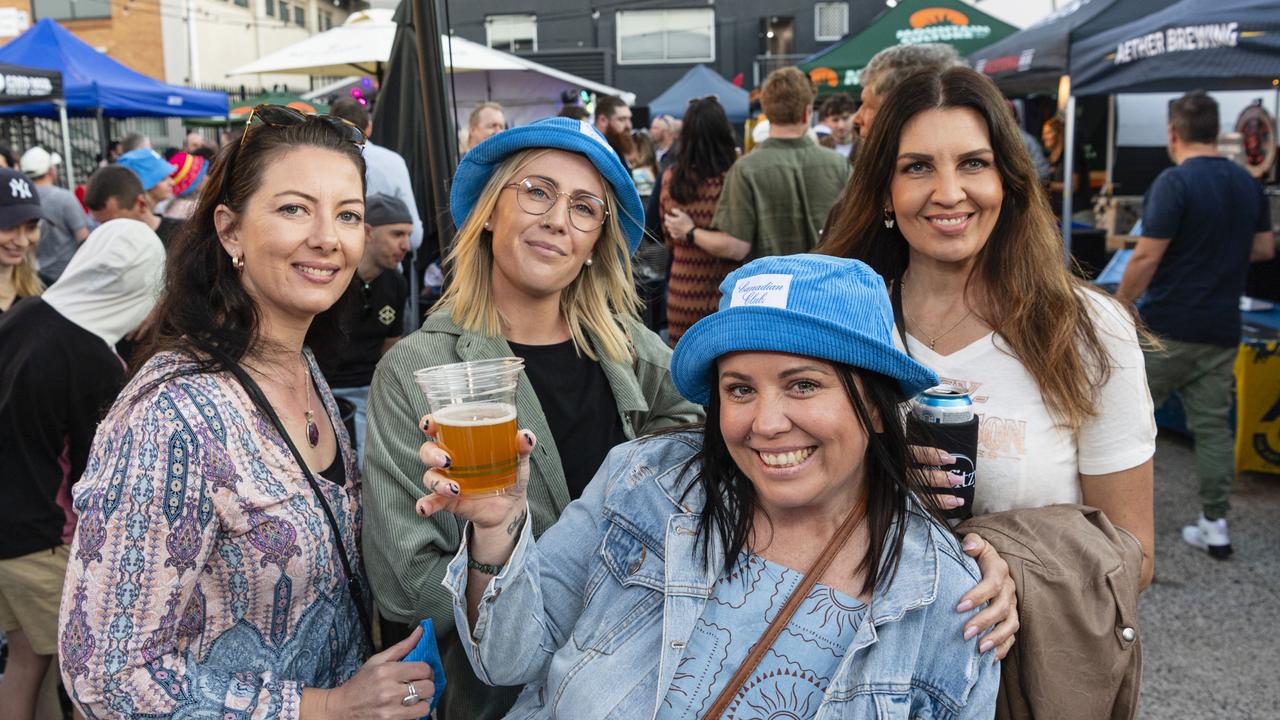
pixel 147 164
pixel 577 136
pixel 813 305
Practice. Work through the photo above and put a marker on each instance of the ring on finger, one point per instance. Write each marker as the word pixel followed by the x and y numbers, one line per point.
pixel 412 698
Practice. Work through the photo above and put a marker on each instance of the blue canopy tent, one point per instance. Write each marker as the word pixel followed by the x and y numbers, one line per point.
pixel 93 82
pixel 95 85
pixel 702 81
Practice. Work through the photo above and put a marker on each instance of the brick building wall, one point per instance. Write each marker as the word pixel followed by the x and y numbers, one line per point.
pixel 130 36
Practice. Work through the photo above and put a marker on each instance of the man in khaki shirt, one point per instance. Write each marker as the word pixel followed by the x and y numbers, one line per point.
pixel 776 199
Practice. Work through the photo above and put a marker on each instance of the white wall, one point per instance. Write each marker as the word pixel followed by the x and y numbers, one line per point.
pixel 1142 119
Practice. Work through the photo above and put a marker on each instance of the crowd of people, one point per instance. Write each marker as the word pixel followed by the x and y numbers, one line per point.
pixel 225 494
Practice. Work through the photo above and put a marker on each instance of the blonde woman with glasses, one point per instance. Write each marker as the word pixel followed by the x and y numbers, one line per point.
pixel 548 219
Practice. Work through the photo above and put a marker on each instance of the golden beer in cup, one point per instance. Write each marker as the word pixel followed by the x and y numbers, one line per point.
pixel 474 406
pixel 481 440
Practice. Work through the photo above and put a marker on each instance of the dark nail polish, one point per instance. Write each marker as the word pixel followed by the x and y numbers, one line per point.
pixel 448 462
pixel 454 487
pixel 528 437
pixel 423 424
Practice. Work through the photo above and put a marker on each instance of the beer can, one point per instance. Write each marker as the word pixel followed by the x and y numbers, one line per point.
pixel 943 405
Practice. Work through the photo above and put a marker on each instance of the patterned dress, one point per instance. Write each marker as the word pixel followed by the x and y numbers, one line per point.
pixel 693 292
pixel 793 675
pixel 204 580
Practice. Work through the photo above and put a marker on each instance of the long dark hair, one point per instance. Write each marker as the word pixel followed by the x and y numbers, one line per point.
pixel 891 479
pixel 1033 302
pixel 204 306
pixel 706 148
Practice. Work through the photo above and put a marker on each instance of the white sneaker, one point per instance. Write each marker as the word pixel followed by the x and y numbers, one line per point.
pixel 1209 535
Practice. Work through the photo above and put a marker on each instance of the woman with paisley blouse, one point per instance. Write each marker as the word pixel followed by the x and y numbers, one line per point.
pixel 215 569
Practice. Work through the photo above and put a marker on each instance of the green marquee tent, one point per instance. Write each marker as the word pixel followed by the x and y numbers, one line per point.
pixel 911 22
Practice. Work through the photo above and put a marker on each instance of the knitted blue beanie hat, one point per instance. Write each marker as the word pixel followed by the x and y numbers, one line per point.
pixel 559 133
pixel 814 305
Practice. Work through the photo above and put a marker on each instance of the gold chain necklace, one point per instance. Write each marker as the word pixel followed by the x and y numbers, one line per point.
pixel 935 338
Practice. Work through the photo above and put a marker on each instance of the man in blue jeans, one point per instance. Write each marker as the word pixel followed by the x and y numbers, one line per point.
pixel 1203 221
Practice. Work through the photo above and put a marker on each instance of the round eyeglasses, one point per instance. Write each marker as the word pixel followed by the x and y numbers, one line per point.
pixel 537 196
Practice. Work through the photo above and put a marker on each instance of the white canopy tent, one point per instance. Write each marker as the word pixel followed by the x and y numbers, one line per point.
pixel 362 46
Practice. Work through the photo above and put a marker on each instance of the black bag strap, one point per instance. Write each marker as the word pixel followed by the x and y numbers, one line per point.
pixel 260 400
pixel 899 320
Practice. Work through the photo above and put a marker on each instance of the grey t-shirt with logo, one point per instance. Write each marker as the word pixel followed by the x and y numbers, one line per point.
pixel 63 218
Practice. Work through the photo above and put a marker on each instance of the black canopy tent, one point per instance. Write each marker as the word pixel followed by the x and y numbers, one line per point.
pixel 1211 44
pixel 1205 44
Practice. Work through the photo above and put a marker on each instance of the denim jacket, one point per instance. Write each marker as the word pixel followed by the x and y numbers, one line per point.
pixel 619 580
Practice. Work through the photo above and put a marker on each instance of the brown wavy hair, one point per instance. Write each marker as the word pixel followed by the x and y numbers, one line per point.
pixel 1032 301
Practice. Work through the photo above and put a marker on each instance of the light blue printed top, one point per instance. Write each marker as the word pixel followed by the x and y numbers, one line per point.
pixel 792 677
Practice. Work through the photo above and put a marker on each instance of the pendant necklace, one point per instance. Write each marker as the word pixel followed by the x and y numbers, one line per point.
pixel 934 339
pixel 313 431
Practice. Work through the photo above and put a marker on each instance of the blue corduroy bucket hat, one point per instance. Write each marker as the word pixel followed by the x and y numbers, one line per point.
pixel 577 136
pixel 813 305
pixel 147 165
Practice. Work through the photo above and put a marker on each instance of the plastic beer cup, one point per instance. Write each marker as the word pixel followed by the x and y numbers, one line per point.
pixel 474 406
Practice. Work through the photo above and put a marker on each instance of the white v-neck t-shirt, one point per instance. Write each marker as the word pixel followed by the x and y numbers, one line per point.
pixel 1025 459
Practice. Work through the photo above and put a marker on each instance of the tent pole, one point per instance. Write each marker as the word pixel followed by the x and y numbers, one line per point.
pixel 1068 169
pixel 103 140
pixel 1111 143
pixel 69 165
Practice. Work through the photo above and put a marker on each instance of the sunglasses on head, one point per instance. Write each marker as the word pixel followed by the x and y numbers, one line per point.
pixel 278 116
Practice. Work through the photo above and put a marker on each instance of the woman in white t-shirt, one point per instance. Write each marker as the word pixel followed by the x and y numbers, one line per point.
pixel 946 206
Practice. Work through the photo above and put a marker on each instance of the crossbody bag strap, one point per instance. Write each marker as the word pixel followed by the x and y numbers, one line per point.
pixel 797 596
pixel 899 321
pixel 260 400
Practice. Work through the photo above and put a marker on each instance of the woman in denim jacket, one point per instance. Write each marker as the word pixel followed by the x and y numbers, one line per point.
pixel 646 596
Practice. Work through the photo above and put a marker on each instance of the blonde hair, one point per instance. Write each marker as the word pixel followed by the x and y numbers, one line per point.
pixel 596 303
pixel 26 283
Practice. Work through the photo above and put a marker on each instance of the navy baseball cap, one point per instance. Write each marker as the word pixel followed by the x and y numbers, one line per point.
pixel 19 201
pixel 818 306
pixel 559 133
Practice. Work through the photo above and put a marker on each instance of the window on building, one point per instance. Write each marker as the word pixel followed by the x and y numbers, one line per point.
pixel 666 36
pixel 270 8
pixel 70 9
pixel 326 21
pixel 511 33
pixel 830 21
pixel 242 3
pixel 300 17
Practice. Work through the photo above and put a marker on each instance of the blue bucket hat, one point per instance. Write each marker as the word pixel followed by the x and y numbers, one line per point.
pixel 147 165
pixel 813 305
pixel 577 136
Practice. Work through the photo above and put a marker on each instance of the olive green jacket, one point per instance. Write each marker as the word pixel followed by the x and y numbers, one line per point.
pixel 406 555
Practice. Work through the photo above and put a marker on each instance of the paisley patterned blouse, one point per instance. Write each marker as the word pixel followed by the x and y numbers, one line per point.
pixel 204 580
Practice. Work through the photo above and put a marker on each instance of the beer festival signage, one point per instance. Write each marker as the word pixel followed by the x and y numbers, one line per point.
pixel 911 22
pixel 1178 39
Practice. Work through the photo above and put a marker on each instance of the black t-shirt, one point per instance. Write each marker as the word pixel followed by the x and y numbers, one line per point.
pixel 377 314
pixel 56 382
pixel 168 226
pixel 576 398
pixel 1208 209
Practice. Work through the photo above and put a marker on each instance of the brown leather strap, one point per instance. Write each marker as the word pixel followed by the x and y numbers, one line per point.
pixel 797 596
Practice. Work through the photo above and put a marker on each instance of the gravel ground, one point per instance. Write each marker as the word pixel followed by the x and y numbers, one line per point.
pixel 1211 636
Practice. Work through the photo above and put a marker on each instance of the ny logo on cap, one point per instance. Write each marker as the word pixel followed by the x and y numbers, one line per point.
pixel 20 189
pixel 761 290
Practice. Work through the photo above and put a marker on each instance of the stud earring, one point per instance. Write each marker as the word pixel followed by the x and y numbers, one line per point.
pixel 589 262
pixel 888 218
pixel 488 227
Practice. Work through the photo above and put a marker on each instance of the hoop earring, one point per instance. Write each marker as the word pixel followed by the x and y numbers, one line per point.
pixel 237 262
pixel 889 218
